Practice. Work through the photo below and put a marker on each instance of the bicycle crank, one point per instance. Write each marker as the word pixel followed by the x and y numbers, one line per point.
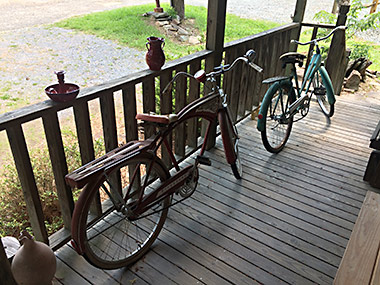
pixel 188 188
pixel 294 107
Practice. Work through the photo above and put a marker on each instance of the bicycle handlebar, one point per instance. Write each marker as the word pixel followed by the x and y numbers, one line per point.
pixel 248 58
pixel 201 75
pixel 320 39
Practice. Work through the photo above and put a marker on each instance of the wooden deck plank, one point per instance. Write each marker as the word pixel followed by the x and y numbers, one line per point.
pixel 364 245
pixel 287 221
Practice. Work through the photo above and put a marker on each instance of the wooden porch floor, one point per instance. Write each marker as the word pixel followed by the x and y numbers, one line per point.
pixel 287 221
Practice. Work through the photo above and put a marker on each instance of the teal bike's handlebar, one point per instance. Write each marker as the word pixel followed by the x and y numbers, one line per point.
pixel 320 39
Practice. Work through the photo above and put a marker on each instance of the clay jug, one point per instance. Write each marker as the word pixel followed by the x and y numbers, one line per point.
pixel 34 263
pixel 155 57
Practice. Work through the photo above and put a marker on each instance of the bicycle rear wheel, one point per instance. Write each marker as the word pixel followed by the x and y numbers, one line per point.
pixel 109 239
pixel 320 92
pixel 278 123
pixel 231 143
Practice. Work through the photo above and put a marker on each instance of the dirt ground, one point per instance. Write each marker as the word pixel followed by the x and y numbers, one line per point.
pixel 18 14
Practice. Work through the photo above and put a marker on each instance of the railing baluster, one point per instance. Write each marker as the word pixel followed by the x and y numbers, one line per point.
pixel 245 69
pixel 166 104
pixel 149 102
pixel 252 81
pixel 25 173
pixel 84 133
pixel 107 106
pixel 180 102
pixel 86 144
pixel 129 107
pixel 235 85
pixel 259 77
pixel 59 165
pixel 194 89
pixel 227 77
pixel 265 53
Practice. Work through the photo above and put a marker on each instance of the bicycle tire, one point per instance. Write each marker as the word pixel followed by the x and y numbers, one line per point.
pixel 319 87
pixel 230 143
pixel 110 240
pixel 277 123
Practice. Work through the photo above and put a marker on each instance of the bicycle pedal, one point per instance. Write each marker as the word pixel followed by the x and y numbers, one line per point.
pixel 203 160
pixel 320 91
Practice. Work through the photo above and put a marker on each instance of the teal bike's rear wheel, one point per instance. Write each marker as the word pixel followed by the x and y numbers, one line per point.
pixel 321 94
pixel 278 122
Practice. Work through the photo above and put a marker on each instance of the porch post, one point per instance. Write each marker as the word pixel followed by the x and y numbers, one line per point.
pixel 337 58
pixel 216 23
pixel 298 16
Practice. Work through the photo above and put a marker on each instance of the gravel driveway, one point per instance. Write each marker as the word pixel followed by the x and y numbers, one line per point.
pixel 30 51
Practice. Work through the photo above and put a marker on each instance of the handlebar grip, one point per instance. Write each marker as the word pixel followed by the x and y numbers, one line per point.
pixel 256 67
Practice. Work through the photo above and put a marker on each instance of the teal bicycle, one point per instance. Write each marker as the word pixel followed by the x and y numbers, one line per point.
pixel 284 100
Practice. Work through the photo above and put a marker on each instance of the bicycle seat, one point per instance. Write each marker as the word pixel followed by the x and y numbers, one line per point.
pixel 275 79
pixel 159 119
pixel 292 57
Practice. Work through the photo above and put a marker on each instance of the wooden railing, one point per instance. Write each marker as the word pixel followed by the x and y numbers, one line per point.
pixel 243 86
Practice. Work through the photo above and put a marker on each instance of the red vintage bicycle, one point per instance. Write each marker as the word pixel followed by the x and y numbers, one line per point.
pixel 128 191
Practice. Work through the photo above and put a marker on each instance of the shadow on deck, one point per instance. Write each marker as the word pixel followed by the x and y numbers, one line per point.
pixel 287 221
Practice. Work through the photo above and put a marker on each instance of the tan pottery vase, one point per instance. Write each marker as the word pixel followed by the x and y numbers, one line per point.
pixel 155 57
pixel 34 263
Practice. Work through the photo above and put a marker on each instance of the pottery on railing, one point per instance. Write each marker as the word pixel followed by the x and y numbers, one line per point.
pixel 155 57
pixel 62 92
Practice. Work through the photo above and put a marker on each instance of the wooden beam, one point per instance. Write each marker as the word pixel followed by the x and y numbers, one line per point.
pixel 298 16
pixel 336 61
pixel 216 24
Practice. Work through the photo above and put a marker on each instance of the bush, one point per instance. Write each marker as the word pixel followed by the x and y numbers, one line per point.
pixel 359 50
pixel 14 216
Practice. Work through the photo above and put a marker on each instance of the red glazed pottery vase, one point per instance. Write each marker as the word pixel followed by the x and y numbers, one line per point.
pixel 155 57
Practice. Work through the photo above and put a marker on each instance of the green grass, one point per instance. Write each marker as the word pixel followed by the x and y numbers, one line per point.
pixel 127 27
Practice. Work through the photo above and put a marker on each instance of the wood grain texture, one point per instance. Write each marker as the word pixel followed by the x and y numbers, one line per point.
pixel 361 255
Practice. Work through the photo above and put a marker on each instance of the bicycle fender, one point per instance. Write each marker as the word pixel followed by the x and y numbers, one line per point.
pixel 266 101
pixel 328 85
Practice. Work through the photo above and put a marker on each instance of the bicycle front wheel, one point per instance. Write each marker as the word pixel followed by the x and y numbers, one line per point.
pixel 278 122
pixel 230 142
pixel 320 92
pixel 110 239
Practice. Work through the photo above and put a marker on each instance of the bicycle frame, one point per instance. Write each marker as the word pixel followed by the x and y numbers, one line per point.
pixel 133 203
pixel 207 108
pixel 314 66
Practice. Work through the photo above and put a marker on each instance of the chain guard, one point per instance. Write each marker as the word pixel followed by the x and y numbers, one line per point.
pixel 187 189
